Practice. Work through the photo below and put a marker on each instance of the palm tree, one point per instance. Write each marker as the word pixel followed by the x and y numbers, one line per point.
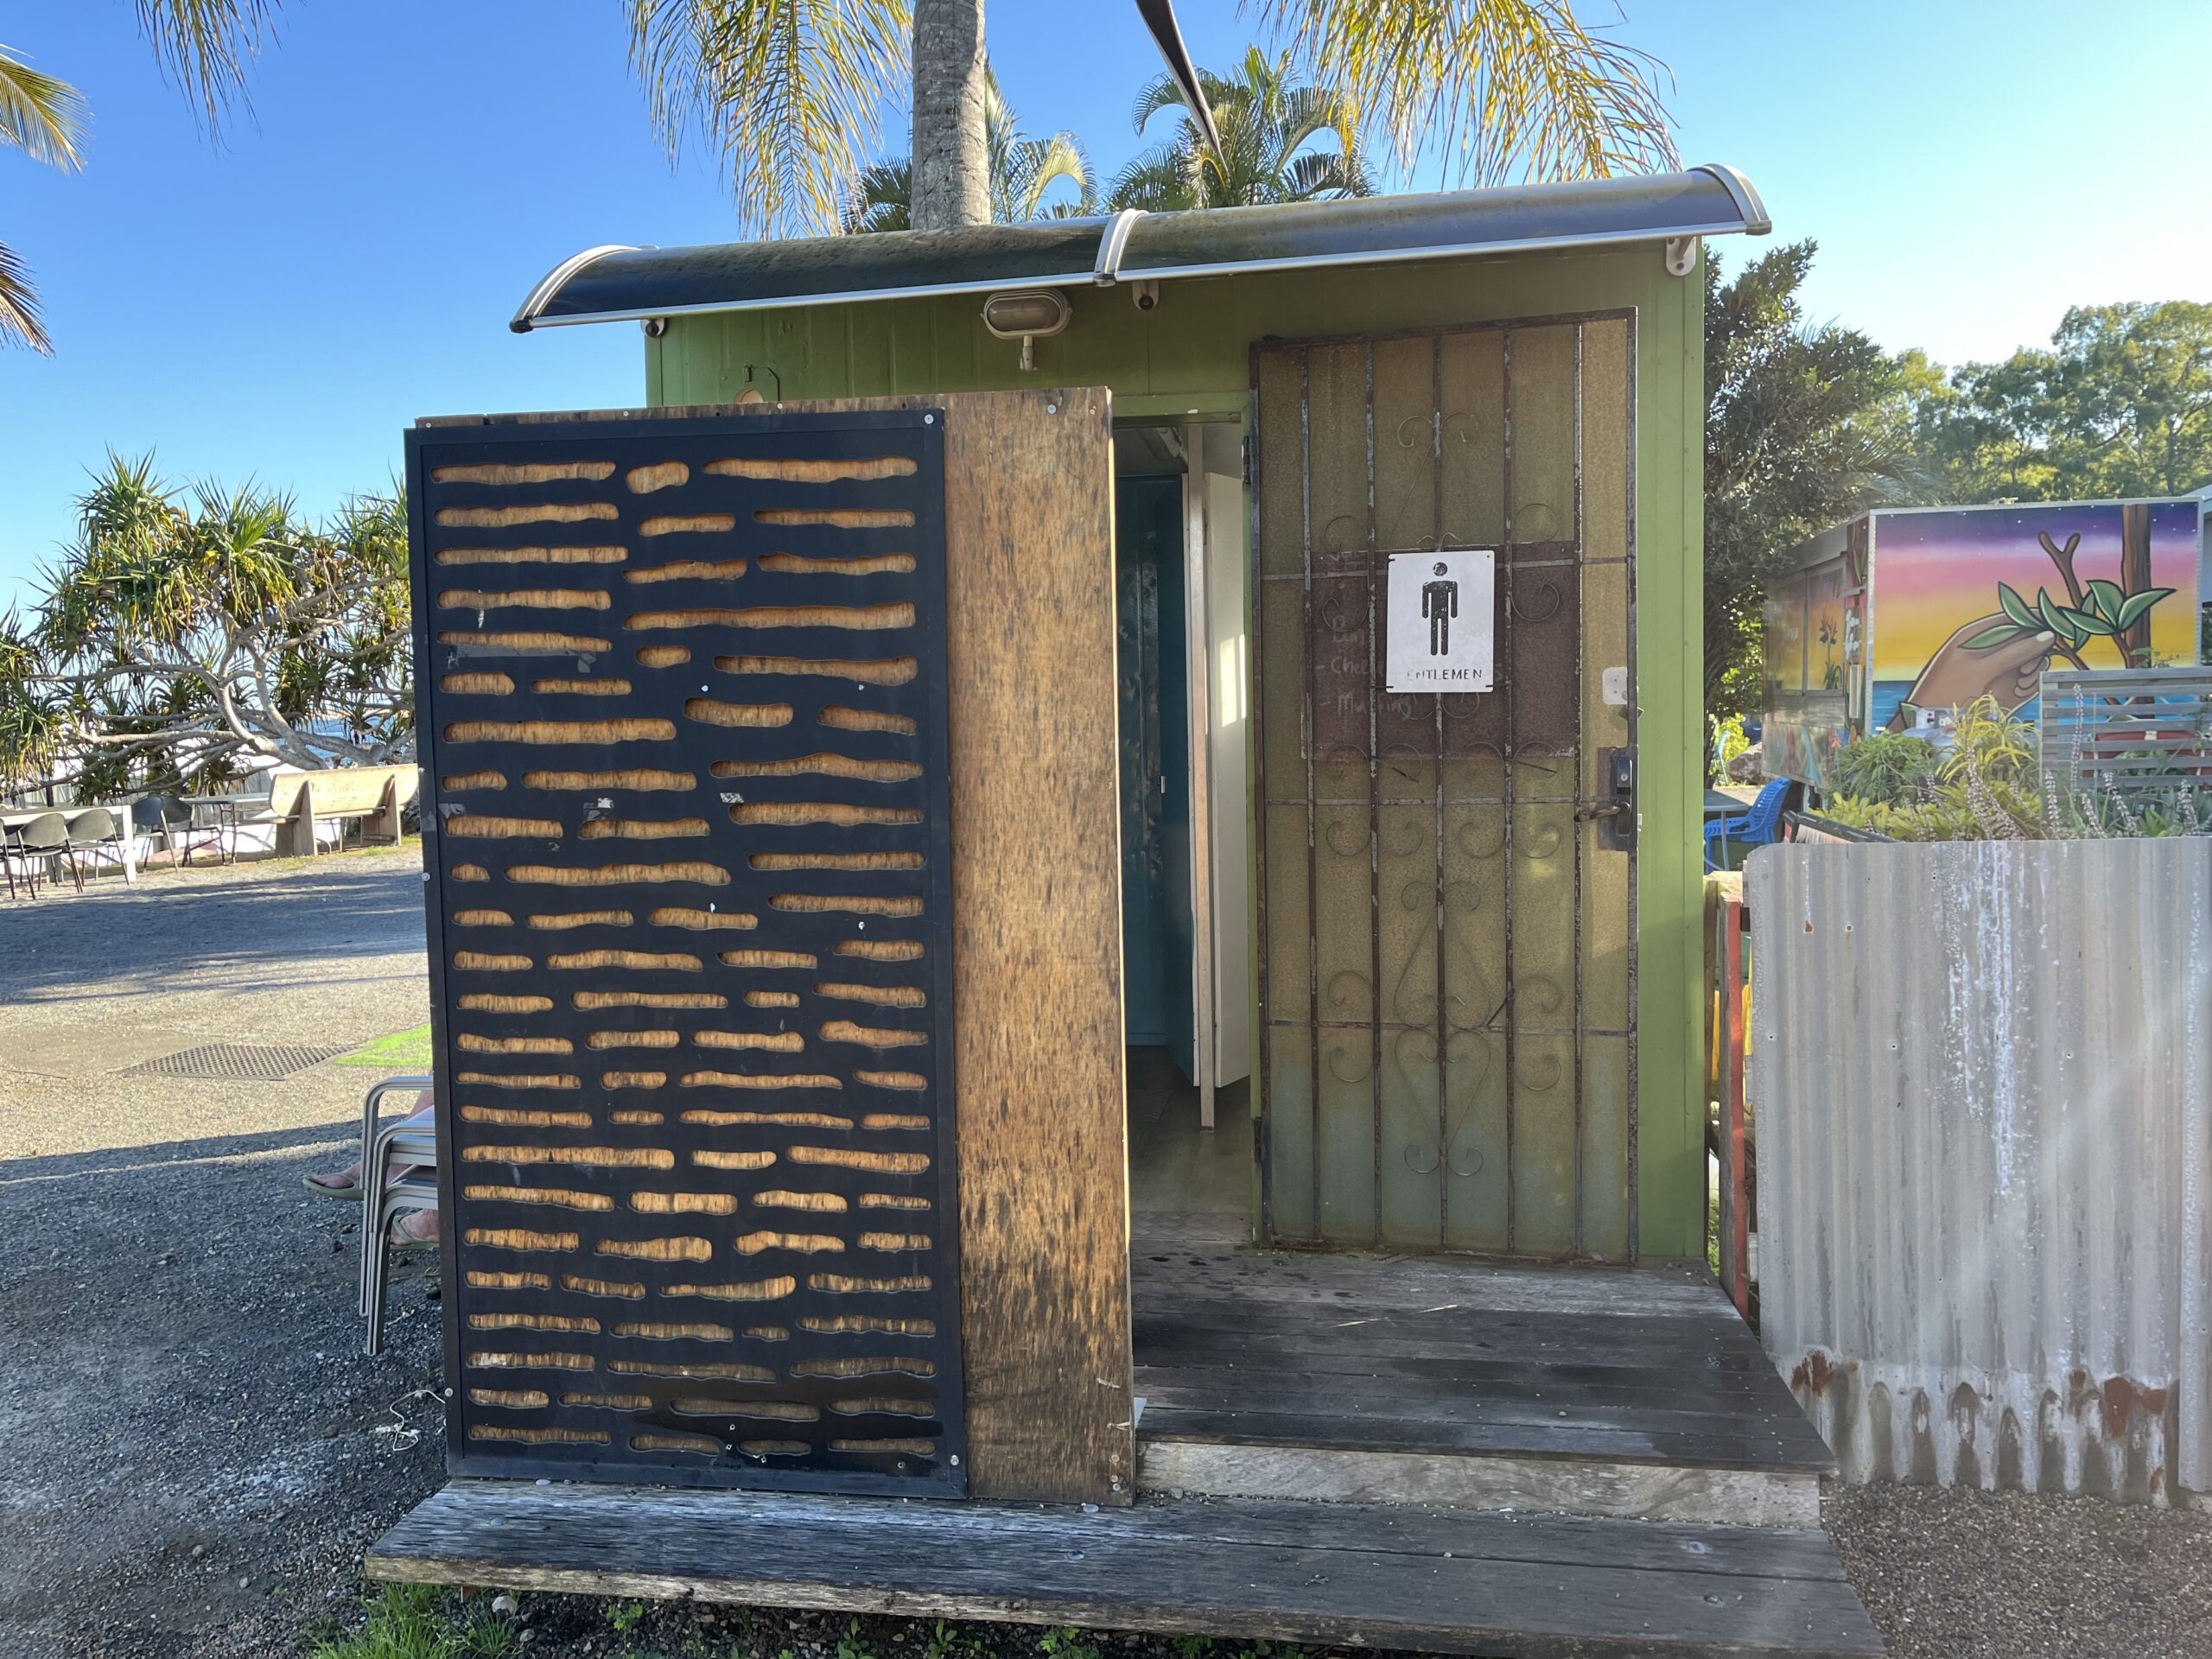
pixel 1266 123
pixel 203 45
pixel 43 118
pixel 1022 170
pixel 786 92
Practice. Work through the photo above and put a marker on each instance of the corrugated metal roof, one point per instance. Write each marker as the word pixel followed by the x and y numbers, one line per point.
pixel 612 283
pixel 1981 1075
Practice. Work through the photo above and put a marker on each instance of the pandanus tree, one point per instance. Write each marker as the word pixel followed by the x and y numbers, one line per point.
pixel 189 629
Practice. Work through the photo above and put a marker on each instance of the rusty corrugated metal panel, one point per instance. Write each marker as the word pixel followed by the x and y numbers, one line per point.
pixel 1983 1075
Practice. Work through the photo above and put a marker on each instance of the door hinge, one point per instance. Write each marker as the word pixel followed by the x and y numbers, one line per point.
pixel 1259 1139
pixel 1247 448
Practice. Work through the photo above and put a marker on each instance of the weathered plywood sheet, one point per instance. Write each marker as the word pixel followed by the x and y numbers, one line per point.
pixel 1029 541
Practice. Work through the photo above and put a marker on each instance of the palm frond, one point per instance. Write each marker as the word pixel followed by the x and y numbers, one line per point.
pixel 19 318
pixel 206 46
pixel 786 92
pixel 883 199
pixel 1033 166
pixel 39 115
pixel 1158 181
pixel 1315 174
pixel 1493 89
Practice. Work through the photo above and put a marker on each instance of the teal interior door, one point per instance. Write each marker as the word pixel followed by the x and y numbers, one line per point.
pixel 1156 915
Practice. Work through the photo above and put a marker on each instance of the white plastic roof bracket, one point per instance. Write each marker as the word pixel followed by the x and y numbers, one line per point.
pixel 1112 244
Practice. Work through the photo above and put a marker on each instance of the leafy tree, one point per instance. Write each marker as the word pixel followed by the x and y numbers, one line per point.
pixel 1805 426
pixel 1268 126
pixel 786 92
pixel 202 45
pixel 187 630
pixel 2119 405
pixel 1023 170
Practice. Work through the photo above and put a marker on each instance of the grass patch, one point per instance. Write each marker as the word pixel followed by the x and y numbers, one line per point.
pixel 399 1050
pixel 414 1621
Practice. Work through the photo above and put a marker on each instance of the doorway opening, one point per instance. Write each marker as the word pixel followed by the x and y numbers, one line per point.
pixel 1179 597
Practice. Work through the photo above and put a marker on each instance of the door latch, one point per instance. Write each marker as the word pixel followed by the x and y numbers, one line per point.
pixel 1615 813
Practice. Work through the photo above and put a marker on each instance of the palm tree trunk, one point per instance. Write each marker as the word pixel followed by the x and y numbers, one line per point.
pixel 952 184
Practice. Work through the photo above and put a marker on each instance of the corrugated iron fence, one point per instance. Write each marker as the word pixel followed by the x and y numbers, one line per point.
pixel 1982 1074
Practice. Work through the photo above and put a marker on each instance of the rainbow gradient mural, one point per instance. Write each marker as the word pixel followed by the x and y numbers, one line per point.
pixel 1978 603
pixel 1892 621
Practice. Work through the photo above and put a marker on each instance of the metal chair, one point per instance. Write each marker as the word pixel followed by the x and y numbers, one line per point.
pixel 44 839
pixel 182 818
pixel 386 1146
pixel 90 831
pixel 1756 828
pixel 150 817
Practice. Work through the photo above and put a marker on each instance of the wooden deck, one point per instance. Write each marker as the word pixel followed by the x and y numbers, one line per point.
pixel 1626 1392
pixel 1541 1587
pixel 1523 1461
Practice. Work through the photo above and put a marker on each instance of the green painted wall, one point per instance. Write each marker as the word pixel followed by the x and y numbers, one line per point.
pixel 1191 354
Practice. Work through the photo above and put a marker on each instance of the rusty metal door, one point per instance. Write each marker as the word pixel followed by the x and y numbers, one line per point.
pixel 1446 929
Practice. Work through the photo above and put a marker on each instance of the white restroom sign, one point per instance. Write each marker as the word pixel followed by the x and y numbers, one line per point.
pixel 1443 608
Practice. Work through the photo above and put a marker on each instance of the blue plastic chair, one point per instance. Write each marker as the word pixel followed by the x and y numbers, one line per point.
pixel 1759 827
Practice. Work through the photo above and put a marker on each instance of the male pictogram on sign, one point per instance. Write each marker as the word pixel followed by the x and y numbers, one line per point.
pixel 1454 591
pixel 1440 603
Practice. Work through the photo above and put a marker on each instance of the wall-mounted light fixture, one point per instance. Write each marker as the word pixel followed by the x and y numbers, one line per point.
pixel 1027 314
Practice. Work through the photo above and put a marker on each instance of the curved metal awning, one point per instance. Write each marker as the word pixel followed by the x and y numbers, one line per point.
pixel 612 284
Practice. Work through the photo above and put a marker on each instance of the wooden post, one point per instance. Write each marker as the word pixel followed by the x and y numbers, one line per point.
pixel 1736 1238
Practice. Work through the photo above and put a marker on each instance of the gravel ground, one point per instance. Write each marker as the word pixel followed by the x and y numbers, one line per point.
pixel 196 1453
pixel 1951 1574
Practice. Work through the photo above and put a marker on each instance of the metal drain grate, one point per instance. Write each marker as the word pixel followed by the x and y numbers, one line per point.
pixel 239 1062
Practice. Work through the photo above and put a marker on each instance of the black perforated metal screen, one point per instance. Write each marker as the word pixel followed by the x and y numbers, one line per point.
pixel 683 700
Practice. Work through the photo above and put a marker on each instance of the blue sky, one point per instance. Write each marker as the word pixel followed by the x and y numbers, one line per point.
pixel 283 304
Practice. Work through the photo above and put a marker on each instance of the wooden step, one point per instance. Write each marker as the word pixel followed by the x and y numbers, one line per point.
pixel 1329 1575
pixel 1622 1490
pixel 1627 1393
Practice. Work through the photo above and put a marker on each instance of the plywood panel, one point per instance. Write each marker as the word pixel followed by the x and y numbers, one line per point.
pixel 1037 897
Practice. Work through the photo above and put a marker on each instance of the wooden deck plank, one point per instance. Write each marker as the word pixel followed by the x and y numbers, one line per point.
pixel 1562 1440
pixel 1540 1357
pixel 1342 1575
pixel 1752 1439
pixel 1709 1380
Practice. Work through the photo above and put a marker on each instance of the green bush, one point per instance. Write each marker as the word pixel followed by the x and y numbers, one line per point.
pixel 1888 766
pixel 1989 785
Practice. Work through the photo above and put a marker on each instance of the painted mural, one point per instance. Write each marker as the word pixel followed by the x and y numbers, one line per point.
pixel 1815 669
pixel 1978 603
